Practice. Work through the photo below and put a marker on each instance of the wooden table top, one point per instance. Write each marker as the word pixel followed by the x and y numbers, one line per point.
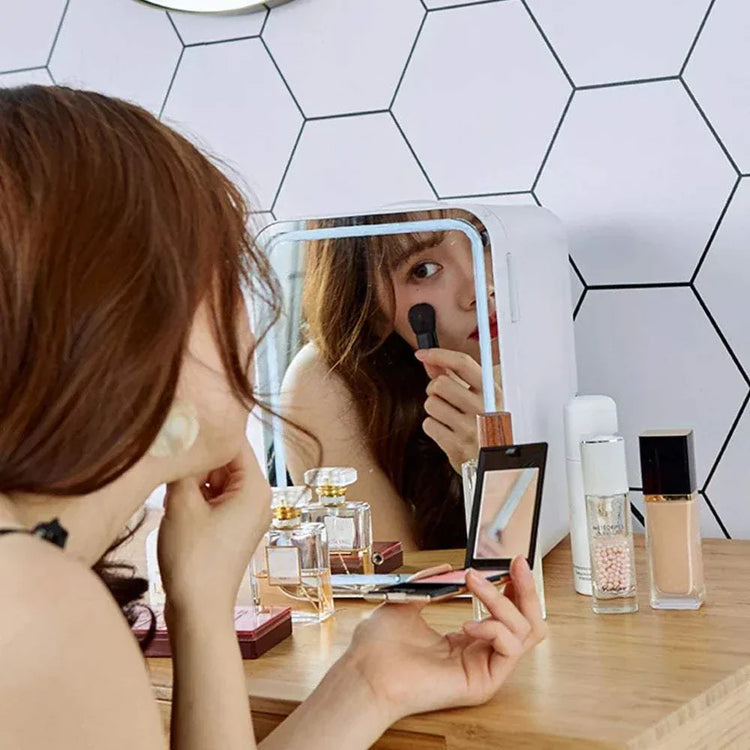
pixel 651 679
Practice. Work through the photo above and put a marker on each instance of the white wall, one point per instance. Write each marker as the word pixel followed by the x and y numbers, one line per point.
pixel 629 119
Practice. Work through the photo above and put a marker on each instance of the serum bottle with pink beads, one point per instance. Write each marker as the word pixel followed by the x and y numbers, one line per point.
pixel 605 483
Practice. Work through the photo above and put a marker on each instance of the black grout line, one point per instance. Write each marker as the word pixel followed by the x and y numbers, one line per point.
pixel 416 158
pixel 286 169
pixel 710 126
pixel 580 303
pixel 726 442
pixel 720 334
pixel 49 73
pixel 697 36
pixel 424 5
pixel 461 5
pixel 171 83
pixel 408 60
pixel 281 75
pixel 223 41
pixel 724 529
pixel 547 42
pixel 57 33
pixel 552 141
pixel 650 285
pixel 22 70
pixel 715 230
pixel 176 30
pixel 344 115
pixel 534 196
pixel 637 513
pixel 265 20
pixel 634 82
pixel 578 271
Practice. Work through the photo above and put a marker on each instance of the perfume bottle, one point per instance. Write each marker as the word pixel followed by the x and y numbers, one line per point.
pixel 605 484
pixel 293 560
pixel 348 524
pixel 673 536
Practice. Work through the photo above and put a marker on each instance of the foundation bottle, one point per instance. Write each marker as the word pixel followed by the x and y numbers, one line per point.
pixel 348 524
pixel 605 483
pixel 293 560
pixel 673 537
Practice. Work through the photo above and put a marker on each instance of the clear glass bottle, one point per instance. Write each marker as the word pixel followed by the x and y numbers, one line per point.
pixel 605 483
pixel 673 535
pixel 293 561
pixel 349 524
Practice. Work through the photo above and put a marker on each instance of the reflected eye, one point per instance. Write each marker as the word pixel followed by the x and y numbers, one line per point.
pixel 424 270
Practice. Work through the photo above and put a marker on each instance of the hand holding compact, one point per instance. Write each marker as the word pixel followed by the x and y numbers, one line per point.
pixel 412 668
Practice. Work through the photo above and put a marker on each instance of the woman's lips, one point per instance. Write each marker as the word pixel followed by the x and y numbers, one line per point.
pixel 493 330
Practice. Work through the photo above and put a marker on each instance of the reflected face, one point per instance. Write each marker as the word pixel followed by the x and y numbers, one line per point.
pixel 443 276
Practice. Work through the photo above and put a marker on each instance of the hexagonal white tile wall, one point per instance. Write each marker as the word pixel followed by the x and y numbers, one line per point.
pixel 117 47
pixel 231 97
pixel 576 288
pixel 326 49
pixel 39 76
pixel 724 278
pixel 620 41
pixel 438 4
pixel 198 28
pixel 350 164
pixel 27 30
pixel 481 99
pixel 639 181
pixel 728 486
pixel 718 73
pixel 658 356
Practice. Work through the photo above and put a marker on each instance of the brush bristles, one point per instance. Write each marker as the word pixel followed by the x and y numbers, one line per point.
pixel 422 318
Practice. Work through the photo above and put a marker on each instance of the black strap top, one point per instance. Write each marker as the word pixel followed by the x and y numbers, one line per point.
pixel 52 531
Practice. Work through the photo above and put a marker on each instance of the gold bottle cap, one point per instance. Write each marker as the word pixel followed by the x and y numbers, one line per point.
pixel 286 513
pixel 494 428
pixel 331 480
pixel 285 502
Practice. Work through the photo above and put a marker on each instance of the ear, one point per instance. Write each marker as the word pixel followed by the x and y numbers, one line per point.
pixel 178 433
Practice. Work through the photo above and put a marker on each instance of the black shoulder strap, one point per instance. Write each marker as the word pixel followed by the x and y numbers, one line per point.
pixel 52 531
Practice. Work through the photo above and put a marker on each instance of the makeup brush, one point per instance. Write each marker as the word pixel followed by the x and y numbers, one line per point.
pixel 422 322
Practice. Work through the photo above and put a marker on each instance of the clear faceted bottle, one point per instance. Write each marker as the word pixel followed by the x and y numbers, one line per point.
pixel 348 524
pixel 293 560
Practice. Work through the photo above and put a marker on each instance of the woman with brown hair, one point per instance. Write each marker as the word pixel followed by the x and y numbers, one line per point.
pixel 397 415
pixel 124 361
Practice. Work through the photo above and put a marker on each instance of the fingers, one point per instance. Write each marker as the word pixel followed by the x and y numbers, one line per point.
pixel 523 593
pixel 447 414
pixel 502 639
pixel 450 391
pixel 462 364
pixel 500 607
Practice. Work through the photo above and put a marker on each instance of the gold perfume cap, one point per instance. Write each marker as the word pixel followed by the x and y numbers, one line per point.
pixel 286 513
pixel 285 502
pixel 494 428
pixel 331 481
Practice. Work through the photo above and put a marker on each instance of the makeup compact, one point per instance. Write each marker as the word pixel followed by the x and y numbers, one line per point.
pixel 504 524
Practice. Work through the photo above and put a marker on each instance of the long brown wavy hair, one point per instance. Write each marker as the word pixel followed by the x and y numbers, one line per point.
pixel 113 229
pixel 354 336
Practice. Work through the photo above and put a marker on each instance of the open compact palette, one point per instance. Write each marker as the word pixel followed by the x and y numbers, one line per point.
pixel 504 525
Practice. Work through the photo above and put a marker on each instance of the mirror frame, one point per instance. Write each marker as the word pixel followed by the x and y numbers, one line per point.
pixel 377 230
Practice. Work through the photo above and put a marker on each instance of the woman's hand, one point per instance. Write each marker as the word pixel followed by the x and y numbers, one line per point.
pixel 209 532
pixel 411 668
pixel 452 402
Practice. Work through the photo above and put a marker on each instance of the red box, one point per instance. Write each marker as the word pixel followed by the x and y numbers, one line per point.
pixel 257 631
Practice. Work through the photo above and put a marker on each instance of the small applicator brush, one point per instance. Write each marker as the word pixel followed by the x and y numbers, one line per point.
pixel 422 322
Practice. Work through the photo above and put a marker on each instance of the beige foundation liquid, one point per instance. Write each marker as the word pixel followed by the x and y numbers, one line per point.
pixel 673 536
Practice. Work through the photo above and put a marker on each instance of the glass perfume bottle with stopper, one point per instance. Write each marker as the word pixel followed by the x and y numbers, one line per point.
pixel 673 535
pixel 494 429
pixel 605 484
pixel 348 524
pixel 293 559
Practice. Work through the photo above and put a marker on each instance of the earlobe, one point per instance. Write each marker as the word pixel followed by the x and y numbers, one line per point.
pixel 178 433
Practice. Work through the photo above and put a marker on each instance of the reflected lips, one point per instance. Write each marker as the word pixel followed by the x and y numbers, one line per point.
pixel 493 330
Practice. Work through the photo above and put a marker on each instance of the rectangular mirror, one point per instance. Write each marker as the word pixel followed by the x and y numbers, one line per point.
pixel 339 365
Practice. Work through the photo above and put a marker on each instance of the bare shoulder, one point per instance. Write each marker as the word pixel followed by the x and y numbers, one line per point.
pixel 310 385
pixel 71 669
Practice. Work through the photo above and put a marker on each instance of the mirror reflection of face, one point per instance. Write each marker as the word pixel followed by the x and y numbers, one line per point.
pixel 507 513
pixel 443 276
